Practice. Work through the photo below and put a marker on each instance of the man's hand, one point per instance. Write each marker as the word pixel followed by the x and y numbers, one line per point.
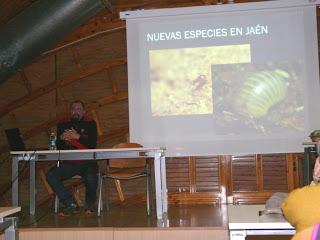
pixel 70 134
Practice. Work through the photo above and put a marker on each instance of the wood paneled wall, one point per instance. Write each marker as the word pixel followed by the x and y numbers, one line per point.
pixel 231 179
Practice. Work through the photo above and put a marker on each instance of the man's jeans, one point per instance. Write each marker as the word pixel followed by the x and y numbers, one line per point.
pixel 88 170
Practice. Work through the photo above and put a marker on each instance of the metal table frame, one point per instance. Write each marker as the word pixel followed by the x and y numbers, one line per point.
pixel 8 224
pixel 157 154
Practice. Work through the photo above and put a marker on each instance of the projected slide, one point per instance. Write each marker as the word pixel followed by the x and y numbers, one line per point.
pixel 265 98
pixel 223 80
pixel 181 79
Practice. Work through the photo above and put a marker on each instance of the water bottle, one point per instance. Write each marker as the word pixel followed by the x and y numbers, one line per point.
pixel 52 141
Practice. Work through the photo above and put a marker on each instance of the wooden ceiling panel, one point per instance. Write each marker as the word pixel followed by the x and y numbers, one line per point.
pixel 10 8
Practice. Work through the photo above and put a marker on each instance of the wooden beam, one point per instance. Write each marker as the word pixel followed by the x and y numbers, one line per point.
pixel 113 81
pixel 117 133
pixel 109 99
pixel 26 81
pixel 41 127
pixel 76 57
pixel 101 26
pixel 60 83
pixel 10 8
pixel 13 119
pixel 92 70
pixel 95 116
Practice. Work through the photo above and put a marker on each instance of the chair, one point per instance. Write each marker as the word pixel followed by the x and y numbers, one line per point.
pixel 125 169
pixel 73 184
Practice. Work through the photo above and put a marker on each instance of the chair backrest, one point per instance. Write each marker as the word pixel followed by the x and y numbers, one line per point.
pixel 127 163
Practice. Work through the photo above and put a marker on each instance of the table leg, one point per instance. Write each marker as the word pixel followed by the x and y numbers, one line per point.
pixel 11 232
pixel 15 181
pixel 157 176
pixel 164 185
pixel 306 166
pixel 32 184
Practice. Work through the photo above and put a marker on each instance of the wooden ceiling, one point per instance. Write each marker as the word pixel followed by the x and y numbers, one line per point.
pixel 10 8
pixel 108 19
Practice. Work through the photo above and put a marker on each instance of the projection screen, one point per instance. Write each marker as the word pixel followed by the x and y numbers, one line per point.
pixel 224 79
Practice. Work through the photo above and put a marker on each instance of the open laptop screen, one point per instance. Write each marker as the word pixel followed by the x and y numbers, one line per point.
pixel 14 139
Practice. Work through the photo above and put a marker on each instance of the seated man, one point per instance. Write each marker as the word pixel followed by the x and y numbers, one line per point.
pixel 76 132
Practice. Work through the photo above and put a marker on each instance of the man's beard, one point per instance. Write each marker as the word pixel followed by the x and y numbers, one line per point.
pixel 75 121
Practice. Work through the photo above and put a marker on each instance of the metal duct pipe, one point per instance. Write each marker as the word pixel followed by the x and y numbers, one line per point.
pixel 38 28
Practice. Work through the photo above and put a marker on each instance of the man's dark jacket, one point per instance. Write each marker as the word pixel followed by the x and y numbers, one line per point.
pixel 87 129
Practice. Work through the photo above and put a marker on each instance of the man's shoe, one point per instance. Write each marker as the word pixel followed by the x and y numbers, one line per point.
pixel 88 212
pixel 70 209
pixel 89 209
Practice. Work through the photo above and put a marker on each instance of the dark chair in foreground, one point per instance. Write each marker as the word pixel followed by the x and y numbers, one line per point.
pixel 125 169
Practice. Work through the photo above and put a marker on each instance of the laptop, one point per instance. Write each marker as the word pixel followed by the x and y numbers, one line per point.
pixel 15 140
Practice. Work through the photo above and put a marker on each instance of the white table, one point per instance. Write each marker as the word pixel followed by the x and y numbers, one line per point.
pixel 245 220
pixel 157 154
pixel 8 225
